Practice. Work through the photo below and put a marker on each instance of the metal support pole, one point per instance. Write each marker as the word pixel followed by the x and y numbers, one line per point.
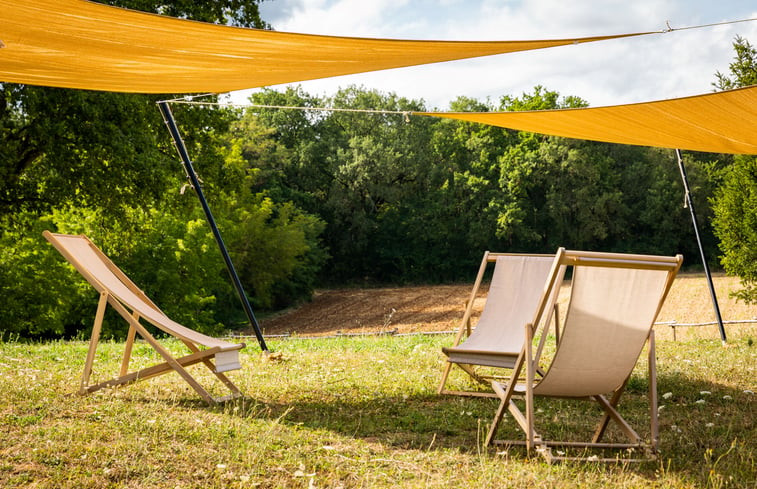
pixel 195 182
pixel 690 205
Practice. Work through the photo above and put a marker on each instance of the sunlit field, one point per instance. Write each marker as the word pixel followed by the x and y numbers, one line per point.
pixel 354 412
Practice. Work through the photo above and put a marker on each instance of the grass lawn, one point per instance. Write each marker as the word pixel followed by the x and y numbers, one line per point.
pixel 352 412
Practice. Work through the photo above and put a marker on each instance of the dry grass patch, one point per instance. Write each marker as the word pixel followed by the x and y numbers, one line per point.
pixel 440 308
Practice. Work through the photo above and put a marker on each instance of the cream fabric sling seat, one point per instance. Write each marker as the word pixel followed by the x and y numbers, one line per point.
pixel 614 301
pixel 132 304
pixel 515 290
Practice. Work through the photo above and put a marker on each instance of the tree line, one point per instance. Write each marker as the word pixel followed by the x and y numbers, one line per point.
pixel 327 198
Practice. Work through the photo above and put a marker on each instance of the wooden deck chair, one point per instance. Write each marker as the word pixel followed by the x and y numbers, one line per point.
pixel 614 301
pixel 516 287
pixel 132 304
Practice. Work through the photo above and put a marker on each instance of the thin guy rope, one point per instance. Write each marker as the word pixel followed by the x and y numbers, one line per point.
pixel 189 99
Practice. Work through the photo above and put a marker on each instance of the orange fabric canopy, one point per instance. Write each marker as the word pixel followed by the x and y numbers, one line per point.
pixel 80 44
pixel 722 122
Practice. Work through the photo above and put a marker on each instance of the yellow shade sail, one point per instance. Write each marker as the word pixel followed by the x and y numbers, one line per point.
pixel 722 122
pixel 80 44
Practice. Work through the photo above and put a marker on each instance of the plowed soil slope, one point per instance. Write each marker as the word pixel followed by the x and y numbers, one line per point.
pixel 441 307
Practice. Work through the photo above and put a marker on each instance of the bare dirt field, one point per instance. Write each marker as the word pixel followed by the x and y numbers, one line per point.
pixel 440 308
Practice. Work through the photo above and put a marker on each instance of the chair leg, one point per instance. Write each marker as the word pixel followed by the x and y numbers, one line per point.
pixel 128 348
pixel 170 360
pixel 611 412
pixel 536 442
pixel 465 325
pixel 653 409
pixel 223 378
pixel 503 405
pixel 605 421
pixel 505 395
pixel 93 340
pixel 445 374
pixel 529 388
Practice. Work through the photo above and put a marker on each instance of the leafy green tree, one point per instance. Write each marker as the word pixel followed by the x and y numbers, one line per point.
pixel 742 69
pixel 735 202
pixel 524 174
pixel 276 246
pixel 100 149
pixel 419 201
pixel 588 195
pixel 103 164
pixel 352 169
pixel 735 206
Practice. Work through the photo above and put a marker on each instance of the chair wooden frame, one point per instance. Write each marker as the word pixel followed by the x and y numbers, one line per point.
pixel 528 360
pixel 491 357
pixel 132 304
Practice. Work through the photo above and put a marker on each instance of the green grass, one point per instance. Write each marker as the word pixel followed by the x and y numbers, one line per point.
pixel 351 412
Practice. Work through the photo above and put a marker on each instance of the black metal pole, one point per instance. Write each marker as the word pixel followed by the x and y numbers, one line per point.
pixel 195 182
pixel 690 204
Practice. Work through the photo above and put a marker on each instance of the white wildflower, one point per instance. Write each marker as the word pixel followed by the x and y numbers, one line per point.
pixel 327 447
pixel 221 466
pixel 710 425
pixel 593 458
pixel 727 397
pixel 747 391
pixel 667 395
pixel 704 393
pixel 700 401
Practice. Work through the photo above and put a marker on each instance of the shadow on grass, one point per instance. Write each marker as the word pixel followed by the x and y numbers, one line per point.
pixel 707 430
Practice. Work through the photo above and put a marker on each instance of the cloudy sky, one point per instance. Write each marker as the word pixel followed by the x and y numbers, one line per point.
pixel 612 72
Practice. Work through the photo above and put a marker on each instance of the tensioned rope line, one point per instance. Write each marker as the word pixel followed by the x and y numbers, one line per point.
pixel 190 99
pixel 671 29
pixel 395 332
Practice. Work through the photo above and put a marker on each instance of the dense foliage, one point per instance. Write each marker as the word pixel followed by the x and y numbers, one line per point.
pixel 102 164
pixel 735 202
pixel 324 197
pixel 420 199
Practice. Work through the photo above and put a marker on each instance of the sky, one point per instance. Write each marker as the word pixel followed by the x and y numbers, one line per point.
pixel 639 69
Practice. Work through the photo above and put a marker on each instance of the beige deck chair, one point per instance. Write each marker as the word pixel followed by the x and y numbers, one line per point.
pixel 516 288
pixel 614 301
pixel 132 304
